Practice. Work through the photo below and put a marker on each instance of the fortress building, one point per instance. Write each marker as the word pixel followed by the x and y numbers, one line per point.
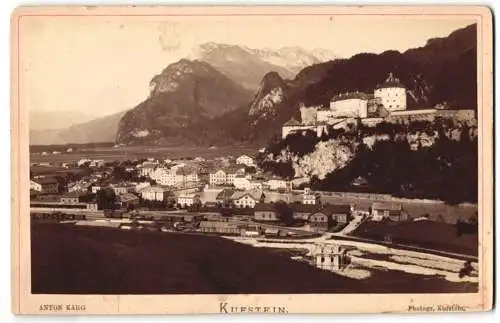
pixel 387 103
pixel 293 126
pixel 392 94
pixel 350 105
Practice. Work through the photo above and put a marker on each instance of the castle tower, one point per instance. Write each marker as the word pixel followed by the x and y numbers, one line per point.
pixel 392 93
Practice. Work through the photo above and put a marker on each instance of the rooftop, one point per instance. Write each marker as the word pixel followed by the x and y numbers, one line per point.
pixel 387 206
pixel 225 194
pixel 245 156
pixel 304 208
pixel 159 189
pixel 255 194
pixel 128 197
pixel 336 209
pixel 75 194
pixel 189 196
pixel 391 81
pixel 352 95
pixel 292 122
pixel 268 207
pixel 218 224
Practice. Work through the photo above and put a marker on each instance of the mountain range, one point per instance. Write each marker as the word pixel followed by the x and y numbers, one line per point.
pixel 239 70
pixel 247 66
pixel 227 94
pixel 97 130
pixel 444 70
pixel 56 119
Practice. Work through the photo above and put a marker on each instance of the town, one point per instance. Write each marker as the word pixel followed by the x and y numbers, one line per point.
pixel 235 198
pixel 232 197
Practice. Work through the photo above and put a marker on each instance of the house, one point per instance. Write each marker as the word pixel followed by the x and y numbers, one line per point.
pixel 45 185
pixel 147 168
pixel 217 177
pixel 162 176
pixel 155 193
pixel 338 213
pixel 224 176
pixel 219 227
pixel 96 163
pixel 247 199
pixel 271 232
pixel 175 176
pixel 140 186
pixel 266 212
pixel 330 215
pixel 211 204
pixel 394 212
pixel 186 200
pixel 128 200
pixel 232 172
pixel 330 257
pixel 242 182
pixel 76 197
pixel 122 188
pixel 79 187
pixel 309 197
pixel 83 161
pixel 303 211
pixel 245 160
pixel 224 197
pixel 251 231
pixel 97 187
pixel 275 184
pixel 34 186
pixel 319 221
pixel 255 185
pixel 245 182
pixel 184 176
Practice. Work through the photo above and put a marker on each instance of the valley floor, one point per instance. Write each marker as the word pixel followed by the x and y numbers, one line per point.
pixel 67 259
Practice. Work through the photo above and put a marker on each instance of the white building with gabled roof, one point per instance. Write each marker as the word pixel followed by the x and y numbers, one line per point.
pixel 245 160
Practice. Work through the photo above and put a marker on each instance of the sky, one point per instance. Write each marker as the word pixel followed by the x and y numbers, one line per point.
pixel 102 65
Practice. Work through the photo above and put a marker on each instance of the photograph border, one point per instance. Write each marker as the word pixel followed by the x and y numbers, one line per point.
pixel 23 302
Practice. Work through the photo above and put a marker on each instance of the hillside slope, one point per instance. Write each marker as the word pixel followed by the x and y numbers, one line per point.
pixel 185 93
pixel 98 130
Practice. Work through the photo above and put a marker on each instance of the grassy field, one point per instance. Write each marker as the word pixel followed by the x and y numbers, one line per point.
pixel 425 234
pixel 79 260
pixel 124 153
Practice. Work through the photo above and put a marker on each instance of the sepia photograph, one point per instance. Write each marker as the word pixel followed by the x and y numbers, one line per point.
pixel 180 151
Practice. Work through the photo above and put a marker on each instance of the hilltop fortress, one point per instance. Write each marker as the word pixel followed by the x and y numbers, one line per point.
pixel 387 103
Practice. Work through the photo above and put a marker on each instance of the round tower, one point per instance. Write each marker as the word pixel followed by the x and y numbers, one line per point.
pixel 392 94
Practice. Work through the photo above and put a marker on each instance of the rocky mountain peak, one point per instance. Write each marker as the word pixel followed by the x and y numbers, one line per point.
pixel 172 77
pixel 247 66
pixel 269 95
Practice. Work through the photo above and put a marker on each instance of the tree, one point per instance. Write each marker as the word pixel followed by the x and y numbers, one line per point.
pixel 106 199
pixel 250 170
pixel 120 174
pixel 285 213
